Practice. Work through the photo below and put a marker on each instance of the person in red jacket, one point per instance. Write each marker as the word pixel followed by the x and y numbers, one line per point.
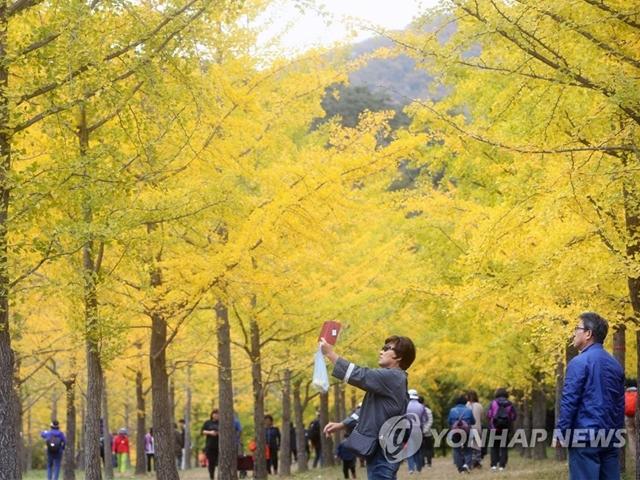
pixel 630 399
pixel 121 449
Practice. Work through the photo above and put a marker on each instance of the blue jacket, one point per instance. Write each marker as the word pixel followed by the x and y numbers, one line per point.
pixel 457 411
pixel 54 432
pixel 593 392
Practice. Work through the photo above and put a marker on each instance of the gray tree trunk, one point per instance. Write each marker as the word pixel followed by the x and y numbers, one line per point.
pixel 172 400
pixel 561 453
pixel 186 459
pixel 228 446
pixel 301 440
pixel 162 428
pixel 619 352
pixel 326 442
pixel 337 409
pixel 141 424
pixel 284 469
pixel 9 434
pixel 90 266
pixel 260 467
pixel 631 199
pixel 538 419
pixel 526 424
pixel 69 457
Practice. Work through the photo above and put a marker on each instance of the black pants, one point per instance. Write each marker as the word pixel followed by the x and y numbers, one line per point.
pixel 318 458
pixel 349 466
pixel 272 463
pixel 427 448
pixel 212 458
pixel 499 455
pixel 150 459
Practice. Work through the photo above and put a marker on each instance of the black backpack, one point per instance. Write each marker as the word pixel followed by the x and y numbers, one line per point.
pixel 314 431
pixel 502 420
pixel 54 444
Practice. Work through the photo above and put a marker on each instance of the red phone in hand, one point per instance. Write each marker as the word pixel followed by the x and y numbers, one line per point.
pixel 330 331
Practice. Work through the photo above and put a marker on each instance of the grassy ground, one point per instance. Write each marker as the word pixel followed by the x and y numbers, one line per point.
pixel 442 469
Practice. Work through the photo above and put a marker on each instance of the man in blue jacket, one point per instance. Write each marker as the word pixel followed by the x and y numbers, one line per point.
pixel 56 442
pixel 460 421
pixel 592 405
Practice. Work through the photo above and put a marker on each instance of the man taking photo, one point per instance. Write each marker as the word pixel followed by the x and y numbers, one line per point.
pixel 385 397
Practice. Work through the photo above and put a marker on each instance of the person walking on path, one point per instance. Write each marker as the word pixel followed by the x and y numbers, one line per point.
pixel 150 449
pixel 386 397
pixel 416 461
pixel 630 401
pixel 314 437
pixel 475 440
pixel 460 420
pixel 501 415
pixel 592 403
pixel 272 439
pixel 121 449
pixel 178 445
pixel 348 460
pixel 427 435
pixel 55 441
pixel 210 429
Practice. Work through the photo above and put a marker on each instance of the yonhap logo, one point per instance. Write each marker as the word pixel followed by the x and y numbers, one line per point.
pixel 400 437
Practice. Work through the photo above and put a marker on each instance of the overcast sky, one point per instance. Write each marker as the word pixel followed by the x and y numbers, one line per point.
pixel 336 20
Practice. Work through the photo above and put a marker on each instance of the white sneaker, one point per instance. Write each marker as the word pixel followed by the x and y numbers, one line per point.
pixel 501 469
pixel 465 468
pixel 494 468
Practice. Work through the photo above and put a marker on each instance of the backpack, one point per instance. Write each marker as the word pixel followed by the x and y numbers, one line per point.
pixel 461 424
pixel 54 444
pixel 502 420
pixel 314 431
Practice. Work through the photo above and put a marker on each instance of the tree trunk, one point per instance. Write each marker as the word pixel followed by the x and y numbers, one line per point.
pixel 326 442
pixel 54 406
pixel 285 458
pixel 619 352
pixel 69 457
pixel 337 409
pixel 162 429
pixel 186 456
pixel 561 453
pixel 9 435
pixel 90 268
pixel 28 461
pixel 260 467
pixel 539 419
pixel 632 225
pixel 172 400
pixel 526 424
pixel 228 440
pixel 82 434
pixel 301 440
pixel 637 415
pixel 354 402
pixel 108 455
pixel 141 425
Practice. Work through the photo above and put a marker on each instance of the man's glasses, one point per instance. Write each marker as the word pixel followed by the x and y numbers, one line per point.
pixel 386 348
pixel 579 328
